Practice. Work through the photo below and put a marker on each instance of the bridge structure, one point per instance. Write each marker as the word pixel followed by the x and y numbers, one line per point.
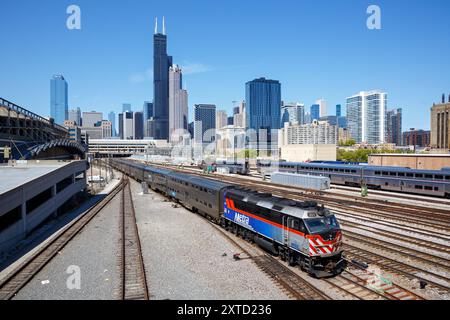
pixel 26 135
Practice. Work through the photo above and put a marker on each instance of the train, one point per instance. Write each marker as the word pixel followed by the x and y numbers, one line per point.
pixel 302 233
pixel 421 182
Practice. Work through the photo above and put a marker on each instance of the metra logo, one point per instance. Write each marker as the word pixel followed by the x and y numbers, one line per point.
pixel 240 218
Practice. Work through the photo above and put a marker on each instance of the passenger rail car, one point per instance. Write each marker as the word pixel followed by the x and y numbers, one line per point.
pixel 300 232
pixel 421 182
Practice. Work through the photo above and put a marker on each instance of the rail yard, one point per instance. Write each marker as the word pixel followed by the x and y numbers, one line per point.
pixel 395 247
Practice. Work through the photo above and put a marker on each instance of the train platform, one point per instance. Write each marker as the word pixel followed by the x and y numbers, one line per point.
pixel 31 191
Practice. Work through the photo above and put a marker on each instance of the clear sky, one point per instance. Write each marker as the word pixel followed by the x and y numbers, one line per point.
pixel 314 48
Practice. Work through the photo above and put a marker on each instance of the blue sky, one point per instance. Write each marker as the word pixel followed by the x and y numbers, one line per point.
pixel 314 48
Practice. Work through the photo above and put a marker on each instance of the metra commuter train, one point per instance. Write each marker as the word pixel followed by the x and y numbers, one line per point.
pixel 302 233
pixel 423 182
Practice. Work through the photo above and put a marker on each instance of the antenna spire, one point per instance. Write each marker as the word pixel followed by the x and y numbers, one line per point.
pixel 164 26
pixel 156 25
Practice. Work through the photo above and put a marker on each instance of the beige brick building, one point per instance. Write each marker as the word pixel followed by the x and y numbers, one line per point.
pixel 440 124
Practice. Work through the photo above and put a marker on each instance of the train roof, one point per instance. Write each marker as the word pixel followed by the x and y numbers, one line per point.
pixel 199 181
pixel 299 209
pixel 367 167
pixel 158 170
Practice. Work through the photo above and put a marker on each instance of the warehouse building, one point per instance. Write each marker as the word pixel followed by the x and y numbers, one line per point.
pixel 413 161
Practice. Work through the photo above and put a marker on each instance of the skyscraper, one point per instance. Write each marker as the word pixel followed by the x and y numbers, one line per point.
pixel 161 64
pixel 366 117
pixel 112 119
pixel 128 126
pixel 75 115
pixel 394 127
pixel 126 107
pixel 315 112
pixel 204 123
pixel 148 114
pixel 221 119
pixel 138 125
pixel 263 109
pixel 59 103
pixel 338 110
pixel 322 107
pixel 178 105
pixel 121 132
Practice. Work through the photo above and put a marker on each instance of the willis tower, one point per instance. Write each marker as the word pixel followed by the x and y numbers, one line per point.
pixel 161 64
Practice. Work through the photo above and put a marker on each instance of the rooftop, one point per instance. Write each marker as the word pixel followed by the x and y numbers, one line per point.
pixel 23 172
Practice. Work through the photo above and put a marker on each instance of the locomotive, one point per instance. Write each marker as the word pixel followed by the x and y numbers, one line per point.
pixel 302 233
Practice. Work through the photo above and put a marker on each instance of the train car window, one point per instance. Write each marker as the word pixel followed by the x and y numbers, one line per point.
pixel 385 173
pixel 438 177
pixel 428 188
pixel 419 175
pixel 353 171
pixel 392 173
pixel 401 174
pixel 418 187
pixel 347 171
pixel 377 173
pixel 429 176
pixel 436 188
pixel 447 177
pixel 410 175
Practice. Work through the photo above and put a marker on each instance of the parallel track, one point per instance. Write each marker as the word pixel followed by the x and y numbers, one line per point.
pixel 133 278
pixel 25 272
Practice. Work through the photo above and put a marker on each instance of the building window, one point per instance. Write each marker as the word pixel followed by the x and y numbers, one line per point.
pixel 38 200
pixel 10 218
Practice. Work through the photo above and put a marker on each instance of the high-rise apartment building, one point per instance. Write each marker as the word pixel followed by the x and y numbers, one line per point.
pixel 126 107
pixel 59 100
pixel 338 110
pixel 366 117
pixel 161 64
pixel 317 132
pixel 239 116
pixel 178 105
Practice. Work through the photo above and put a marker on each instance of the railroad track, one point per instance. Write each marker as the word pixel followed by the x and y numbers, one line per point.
pixel 413 273
pixel 25 272
pixel 131 262
pixel 382 209
pixel 398 249
pixel 293 284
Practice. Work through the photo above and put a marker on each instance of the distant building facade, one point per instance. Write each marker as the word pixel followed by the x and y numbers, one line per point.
pixel 90 119
pixel 112 119
pixel 394 133
pixel 292 113
pixel 263 109
pixel 178 105
pixel 204 123
pixel 75 115
pixel 221 119
pixel 138 125
pixel 314 112
pixel 418 138
pixel 59 101
pixel 318 132
pixel 322 107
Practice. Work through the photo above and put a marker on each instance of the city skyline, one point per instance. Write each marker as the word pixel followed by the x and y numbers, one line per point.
pixel 304 77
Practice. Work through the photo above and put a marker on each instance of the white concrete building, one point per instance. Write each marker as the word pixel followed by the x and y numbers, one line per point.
pixel 90 119
pixel 366 117
pixel 322 107
pixel 178 105
pixel 318 132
